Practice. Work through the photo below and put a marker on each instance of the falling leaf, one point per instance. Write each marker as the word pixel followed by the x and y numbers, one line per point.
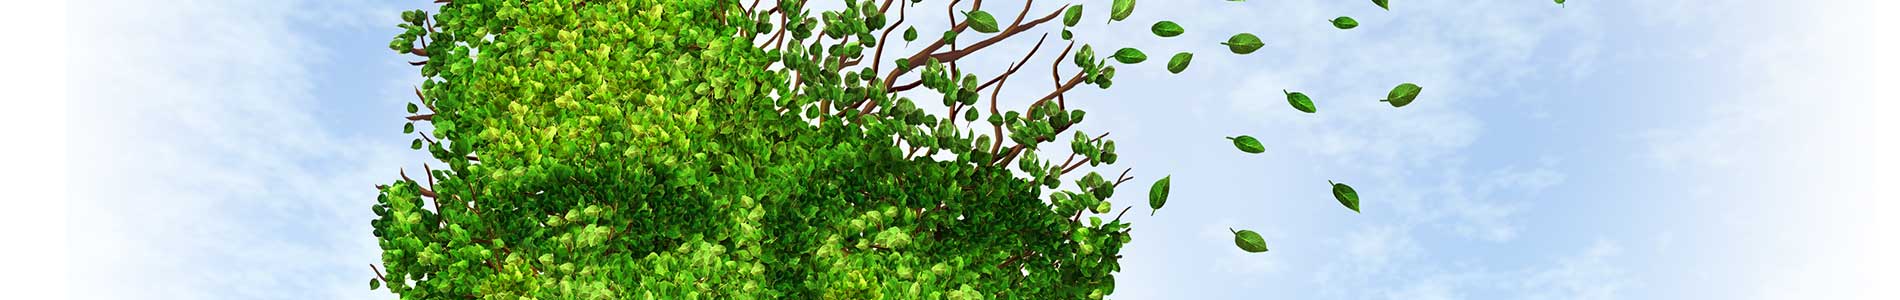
pixel 1344 22
pixel 910 34
pixel 1166 29
pixel 1120 10
pixel 1346 195
pixel 1300 101
pixel 1130 56
pixel 1381 4
pixel 1248 144
pixel 1249 241
pixel 1243 43
pixel 1073 15
pixel 1402 95
pixel 1158 195
pixel 1179 62
pixel 981 21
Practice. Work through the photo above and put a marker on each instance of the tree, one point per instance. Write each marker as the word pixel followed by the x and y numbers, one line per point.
pixel 695 149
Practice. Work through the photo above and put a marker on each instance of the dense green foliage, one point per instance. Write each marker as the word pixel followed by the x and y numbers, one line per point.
pixel 717 149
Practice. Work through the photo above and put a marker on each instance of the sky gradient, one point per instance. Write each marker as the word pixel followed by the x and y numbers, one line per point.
pixel 1663 149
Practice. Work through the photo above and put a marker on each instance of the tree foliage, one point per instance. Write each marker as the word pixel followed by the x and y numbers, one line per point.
pixel 719 149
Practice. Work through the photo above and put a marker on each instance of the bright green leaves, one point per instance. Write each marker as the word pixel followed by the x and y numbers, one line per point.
pixel 1158 194
pixel 1345 195
pixel 1243 43
pixel 1120 10
pixel 1071 16
pixel 893 238
pixel 981 21
pixel 412 107
pixel 1248 144
pixel 408 128
pixel 1130 56
pixel 1402 95
pixel 1381 4
pixel 415 144
pixel 1166 29
pixel 1249 241
pixel 1344 22
pixel 1179 62
pixel 910 34
pixel 375 284
pixel 1300 101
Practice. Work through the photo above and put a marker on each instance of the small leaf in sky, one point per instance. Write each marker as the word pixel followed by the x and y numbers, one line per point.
pixel 910 34
pixel 415 144
pixel 1179 62
pixel 375 284
pixel 1346 195
pixel 1166 29
pixel 412 108
pixel 1300 101
pixel 1381 4
pixel 1158 195
pixel 981 21
pixel 1344 22
pixel 1120 10
pixel 1248 144
pixel 1073 15
pixel 1243 43
pixel 1130 56
pixel 1249 241
pixel 1402 95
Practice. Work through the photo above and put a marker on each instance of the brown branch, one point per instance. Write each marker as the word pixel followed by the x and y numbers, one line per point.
pixel 425 191
pixel 418 63
pixel 951 57
pixel 1017 65
pixel 421 117
pixel 379 273
pixel 419 52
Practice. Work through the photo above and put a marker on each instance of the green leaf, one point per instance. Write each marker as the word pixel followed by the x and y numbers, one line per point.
pixel 1344 22
pixel 1249 241
pixel 1381 4
pixel 981 21
pixel 412 108
pixel 1300 101
pixel 1179 62
pixel 1248 144
pixel 409 127
pixel 1402 94
pixel 1243 43
pixel 970 116
pixel 1130 56
pixel 910 34
pixel 415 144
pixel 1158 195
pixel 1066 35
pixel 1072 16
pixel 1346 195
pixel 375 284
pixel 1166 29
pixel 1120 10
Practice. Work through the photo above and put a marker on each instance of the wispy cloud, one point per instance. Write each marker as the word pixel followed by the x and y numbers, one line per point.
pixel 201 170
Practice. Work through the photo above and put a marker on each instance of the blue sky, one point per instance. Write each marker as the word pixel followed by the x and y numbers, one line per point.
pixel 1662 149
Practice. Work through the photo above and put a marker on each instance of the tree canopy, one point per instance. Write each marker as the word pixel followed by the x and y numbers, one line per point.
pixel 720 149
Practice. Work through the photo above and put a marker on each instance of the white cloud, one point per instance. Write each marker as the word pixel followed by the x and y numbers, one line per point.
pixel 202 170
